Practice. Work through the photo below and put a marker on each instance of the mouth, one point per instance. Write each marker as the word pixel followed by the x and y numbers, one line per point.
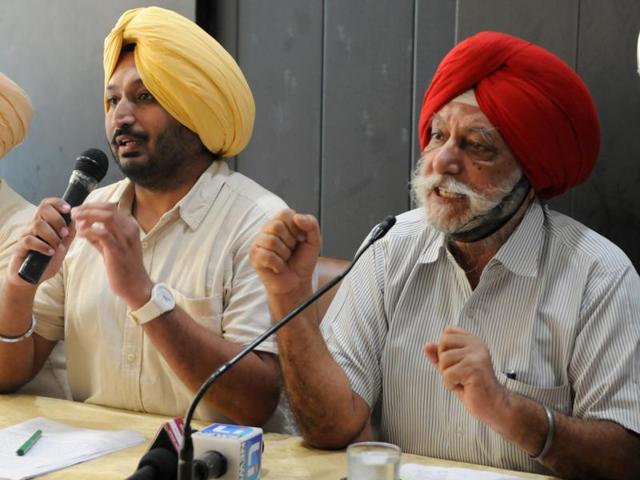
pixel 127 145
pixel 444 193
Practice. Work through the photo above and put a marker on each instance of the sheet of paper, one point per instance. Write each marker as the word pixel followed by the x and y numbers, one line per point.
pixel 412 471
pixel 60 446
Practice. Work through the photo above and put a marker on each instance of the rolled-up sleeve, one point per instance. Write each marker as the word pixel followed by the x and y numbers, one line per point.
pixel 605 365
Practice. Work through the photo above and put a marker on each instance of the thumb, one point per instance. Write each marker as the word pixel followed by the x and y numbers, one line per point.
pixel 309 225
pixel 431 352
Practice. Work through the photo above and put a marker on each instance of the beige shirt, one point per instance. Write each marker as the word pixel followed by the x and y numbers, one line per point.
pixel 15 214
pixel 199 249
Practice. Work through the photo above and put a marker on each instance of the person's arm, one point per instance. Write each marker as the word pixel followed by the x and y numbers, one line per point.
pixel 580 448
pixel 47 233
pixel 249 393
pixel 330 414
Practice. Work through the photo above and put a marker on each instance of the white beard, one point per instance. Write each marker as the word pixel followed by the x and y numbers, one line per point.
pixel 442 216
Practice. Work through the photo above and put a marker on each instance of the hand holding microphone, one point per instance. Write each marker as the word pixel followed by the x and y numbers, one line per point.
pixel 50 234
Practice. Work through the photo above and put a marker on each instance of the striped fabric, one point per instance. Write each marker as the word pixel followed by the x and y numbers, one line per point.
pixel 558 304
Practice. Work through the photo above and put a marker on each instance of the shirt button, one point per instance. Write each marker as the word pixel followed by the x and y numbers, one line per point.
pixel 131 357
pixel 145 244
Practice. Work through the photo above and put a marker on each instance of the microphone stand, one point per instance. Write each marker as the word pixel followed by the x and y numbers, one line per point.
pixel 185 459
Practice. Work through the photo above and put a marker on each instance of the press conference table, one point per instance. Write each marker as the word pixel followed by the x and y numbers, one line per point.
pixel 284 458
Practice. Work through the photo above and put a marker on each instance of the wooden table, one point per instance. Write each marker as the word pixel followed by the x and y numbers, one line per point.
pixel 285 458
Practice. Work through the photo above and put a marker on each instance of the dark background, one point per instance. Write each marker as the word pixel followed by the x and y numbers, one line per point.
pixel 338 86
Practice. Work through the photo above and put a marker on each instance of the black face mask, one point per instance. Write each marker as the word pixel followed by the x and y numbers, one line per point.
pixel 482 226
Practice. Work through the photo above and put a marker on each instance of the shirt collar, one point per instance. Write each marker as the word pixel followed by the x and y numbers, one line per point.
pixel 436 245
pixel 521 252
pixel 194 206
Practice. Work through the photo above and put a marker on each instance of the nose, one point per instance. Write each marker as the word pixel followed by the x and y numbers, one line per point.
pixel 448 159
pixel 122 113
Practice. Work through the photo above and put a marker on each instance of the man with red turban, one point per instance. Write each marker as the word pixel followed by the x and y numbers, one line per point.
pixel 529 320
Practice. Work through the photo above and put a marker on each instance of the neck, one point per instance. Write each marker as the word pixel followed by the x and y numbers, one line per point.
pixel 473 257
pixel 150 204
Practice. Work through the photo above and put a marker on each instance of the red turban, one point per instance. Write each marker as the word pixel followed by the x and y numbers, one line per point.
pixel 540 106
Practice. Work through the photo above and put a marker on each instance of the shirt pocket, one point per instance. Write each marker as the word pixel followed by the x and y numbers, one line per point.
pixel 207 311
pixel 558 398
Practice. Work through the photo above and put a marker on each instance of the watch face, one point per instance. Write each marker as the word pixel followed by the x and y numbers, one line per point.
pixel 164 297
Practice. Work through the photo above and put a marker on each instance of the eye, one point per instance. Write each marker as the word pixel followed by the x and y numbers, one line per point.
pixel 478 147
pixel 145 97
pixel 111 101
pixel 436 136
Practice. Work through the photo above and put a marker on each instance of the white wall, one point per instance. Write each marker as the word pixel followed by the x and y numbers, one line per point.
pixel 53 49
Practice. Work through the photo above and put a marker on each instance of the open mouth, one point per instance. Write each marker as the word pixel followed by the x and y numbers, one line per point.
pixel 444 193
pixel 127 144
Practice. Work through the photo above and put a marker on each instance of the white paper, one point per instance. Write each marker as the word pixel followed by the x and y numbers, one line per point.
pixel 60 446
pixel 412 471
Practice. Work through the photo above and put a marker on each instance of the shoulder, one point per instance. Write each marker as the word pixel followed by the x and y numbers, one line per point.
pixel 410 233
pixel 15 209
pixel 251 195
pixel 411 241
pixel 572 238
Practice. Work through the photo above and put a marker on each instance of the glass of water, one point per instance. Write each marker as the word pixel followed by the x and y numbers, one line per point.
pixel 373 461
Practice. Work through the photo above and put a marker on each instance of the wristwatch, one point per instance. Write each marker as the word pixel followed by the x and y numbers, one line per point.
pixel 161 301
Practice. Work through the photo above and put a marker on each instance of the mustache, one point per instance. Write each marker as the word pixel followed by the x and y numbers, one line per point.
pixel 431 182
pixel 130 132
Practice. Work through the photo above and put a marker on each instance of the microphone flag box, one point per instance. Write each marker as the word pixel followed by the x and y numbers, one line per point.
pixel 242 447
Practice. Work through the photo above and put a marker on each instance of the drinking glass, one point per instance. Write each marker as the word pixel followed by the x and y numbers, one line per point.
pixel 373 461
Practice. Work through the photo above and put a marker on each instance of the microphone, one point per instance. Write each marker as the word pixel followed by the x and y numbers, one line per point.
pixel 169 436
pixel 156 464
pixel 185 457
pixel 168 439
pixel 230 452
pixel 90 167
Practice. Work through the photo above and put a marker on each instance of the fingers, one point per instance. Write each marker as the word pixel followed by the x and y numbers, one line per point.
pixel 102 222
pixel 283 228
pixel 262 258
pixel 455 376
pixel 452 329
pixel 48 227
pixel 309 225
pixel 281 236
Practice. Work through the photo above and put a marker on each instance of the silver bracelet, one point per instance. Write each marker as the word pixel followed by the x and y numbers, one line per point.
pixel 19 338
pixel 550 434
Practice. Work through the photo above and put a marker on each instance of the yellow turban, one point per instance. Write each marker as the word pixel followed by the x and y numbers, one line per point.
pixel 190 74
pixel 15 114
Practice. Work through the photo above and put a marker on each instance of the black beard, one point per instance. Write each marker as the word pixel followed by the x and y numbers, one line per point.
pixel 160 172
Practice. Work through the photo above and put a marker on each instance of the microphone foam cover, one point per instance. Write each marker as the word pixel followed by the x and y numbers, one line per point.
pixel 164 461
pixel 93 163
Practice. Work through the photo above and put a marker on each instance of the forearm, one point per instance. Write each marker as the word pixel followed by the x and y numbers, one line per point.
pixel 581 449
pixel 16 359
pixel 248 393
pixel 329 413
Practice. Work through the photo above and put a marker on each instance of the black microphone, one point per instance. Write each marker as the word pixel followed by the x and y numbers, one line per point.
pixel 90 167
pixel 185 458
pixel 156 464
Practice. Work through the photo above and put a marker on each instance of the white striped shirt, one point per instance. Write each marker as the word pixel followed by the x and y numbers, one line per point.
pixel 558 304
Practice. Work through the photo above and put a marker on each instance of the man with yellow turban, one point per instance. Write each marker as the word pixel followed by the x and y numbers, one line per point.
pixel 157 292
pixel 529 321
